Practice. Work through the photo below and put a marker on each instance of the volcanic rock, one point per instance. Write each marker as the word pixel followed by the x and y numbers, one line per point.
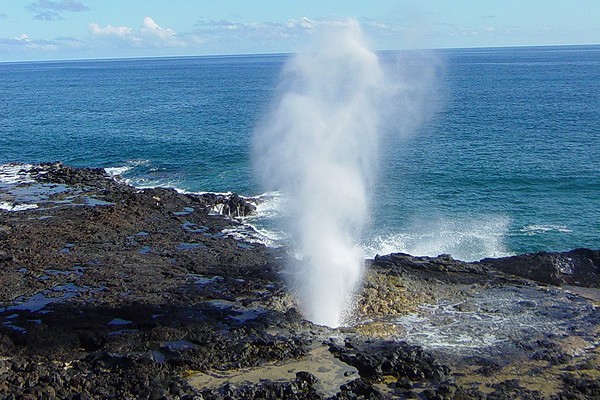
pixel 109 291
pixel 579 267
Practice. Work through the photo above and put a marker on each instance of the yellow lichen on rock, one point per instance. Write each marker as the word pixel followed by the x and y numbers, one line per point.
pixel 387 295
pixel 378 330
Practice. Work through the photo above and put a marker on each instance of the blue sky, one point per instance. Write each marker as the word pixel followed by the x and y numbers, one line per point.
pixel 75 29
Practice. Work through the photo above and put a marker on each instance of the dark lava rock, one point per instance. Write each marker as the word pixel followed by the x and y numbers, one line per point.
pixel 448 390
pixel 511 389
pixel 57 172
pixel 306 378
pixel 580 267
pixel 580 388
pixel 98 289
pixel 374 360
pixel 5 257
pixel 231 205
pixel 358 389
pixel 263 390
pixel 441 264
pixel 441 268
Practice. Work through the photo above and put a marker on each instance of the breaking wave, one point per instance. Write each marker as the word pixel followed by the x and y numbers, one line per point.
pixel 464 239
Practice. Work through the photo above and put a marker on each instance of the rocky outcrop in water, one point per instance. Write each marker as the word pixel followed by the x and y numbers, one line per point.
pixel 231 205
pixel 107 291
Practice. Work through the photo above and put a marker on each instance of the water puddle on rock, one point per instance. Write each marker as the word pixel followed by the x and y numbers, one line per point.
pixel 497 321
pixel 190 246
pixel 119 322
pixel 330 372
pixel 185 211
pixel 19 191
pixel 39 301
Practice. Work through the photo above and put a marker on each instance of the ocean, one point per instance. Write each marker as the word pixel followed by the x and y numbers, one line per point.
pixel 507 163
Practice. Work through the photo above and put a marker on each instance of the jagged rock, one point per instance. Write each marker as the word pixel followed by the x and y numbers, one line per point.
pixel 580 267
pixel 57 172
pixel 580 388
pixel 374 360
pixel 231 205
pixel 359 389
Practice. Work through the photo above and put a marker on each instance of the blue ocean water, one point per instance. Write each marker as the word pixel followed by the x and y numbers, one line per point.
pixel 507 164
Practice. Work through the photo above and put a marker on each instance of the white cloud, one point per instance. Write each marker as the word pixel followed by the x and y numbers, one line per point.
pixel 44 45
pixel 159 36
pixel 296 27
pixel 23 38
pixel 208 37
pixel 109 30
pixel 149 35
pixel 285 36
pixel 303 22
pixel 152 28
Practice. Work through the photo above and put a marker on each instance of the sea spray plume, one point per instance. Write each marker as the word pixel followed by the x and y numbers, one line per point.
pixel 318 146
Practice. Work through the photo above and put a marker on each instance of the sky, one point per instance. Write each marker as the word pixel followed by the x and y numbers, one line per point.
pixel 84 29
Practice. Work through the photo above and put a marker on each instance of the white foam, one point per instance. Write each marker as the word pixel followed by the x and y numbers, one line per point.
pixel 467 239
pixel 535 229
pixel 256 228
pixel 122 171
pixel 142 183
pixel 117 171
pixel 270 237
pixel 248 234
pixel 16 207
pixel 183 191
pixel 217 209
pixel 270 208
pixel 15 173
pixel 270 204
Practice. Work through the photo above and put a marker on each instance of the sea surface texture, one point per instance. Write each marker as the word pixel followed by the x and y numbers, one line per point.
pixel 508 163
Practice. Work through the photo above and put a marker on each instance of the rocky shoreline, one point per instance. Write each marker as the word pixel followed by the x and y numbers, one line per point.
pixel 108 291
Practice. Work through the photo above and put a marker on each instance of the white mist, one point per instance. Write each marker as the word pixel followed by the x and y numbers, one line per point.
pixel 318 146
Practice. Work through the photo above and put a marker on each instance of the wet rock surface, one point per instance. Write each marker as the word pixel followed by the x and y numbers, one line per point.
pixel 107 291
pixel 231 205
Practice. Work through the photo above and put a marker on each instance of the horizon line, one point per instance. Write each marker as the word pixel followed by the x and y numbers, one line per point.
pixel 234 55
